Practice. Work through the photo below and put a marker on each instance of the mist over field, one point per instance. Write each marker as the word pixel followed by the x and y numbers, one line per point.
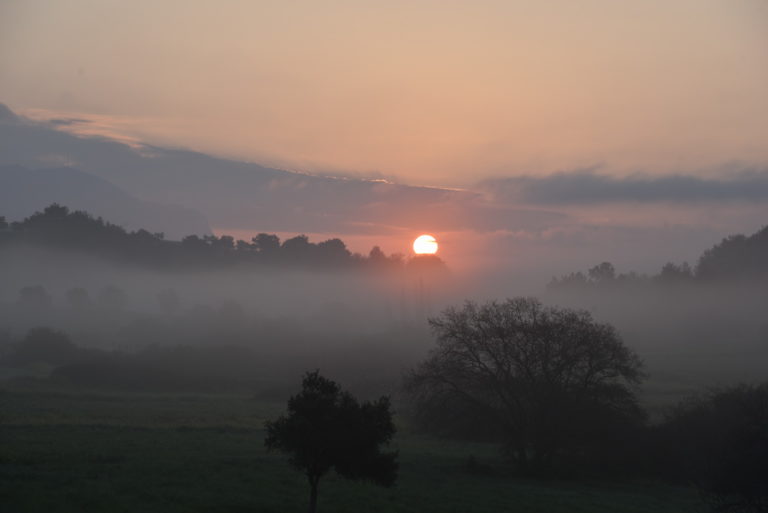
pixel 393 256
pixel 356 317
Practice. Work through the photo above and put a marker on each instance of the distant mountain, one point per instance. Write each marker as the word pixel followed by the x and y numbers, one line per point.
pixel 239 195
pixel 24 191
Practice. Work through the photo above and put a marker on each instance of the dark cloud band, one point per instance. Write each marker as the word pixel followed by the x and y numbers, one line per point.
pixel 588 186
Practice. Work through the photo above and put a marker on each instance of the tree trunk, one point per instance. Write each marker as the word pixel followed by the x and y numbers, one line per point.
pixel 313 494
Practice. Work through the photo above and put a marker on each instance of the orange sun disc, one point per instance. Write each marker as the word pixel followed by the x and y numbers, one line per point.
pixel 425 245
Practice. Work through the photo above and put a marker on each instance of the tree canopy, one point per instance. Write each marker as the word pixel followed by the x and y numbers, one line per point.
pixel 327 428
pixel 544 381
pixel 57 226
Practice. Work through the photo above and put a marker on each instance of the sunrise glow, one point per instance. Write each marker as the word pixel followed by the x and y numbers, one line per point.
pixel 425 245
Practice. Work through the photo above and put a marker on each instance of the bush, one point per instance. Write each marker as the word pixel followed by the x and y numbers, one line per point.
pixel 719 441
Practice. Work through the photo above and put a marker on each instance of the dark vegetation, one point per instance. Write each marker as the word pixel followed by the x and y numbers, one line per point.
pixel 192 368
pixel 737 258
pixel 719 441
pixel 555 388
pixel 714 442
pixel 556 391
pixel 694 325
pixel 74 450
pixel 560 403
pixel 57 227
pixel 327 428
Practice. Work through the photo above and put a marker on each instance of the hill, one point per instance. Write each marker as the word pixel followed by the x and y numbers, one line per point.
pixel 23 191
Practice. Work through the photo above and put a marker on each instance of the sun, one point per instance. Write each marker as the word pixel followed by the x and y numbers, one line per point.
pixel 425 245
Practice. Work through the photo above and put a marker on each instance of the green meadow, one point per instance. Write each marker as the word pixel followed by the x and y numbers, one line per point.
pixel 83 450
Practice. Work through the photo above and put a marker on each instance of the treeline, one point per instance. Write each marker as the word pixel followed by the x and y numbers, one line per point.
pixel 56 226
pixel 204 350
pixel 735 258
pixel 153 368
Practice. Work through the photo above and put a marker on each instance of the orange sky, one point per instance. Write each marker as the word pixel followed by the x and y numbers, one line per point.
pixel 429 92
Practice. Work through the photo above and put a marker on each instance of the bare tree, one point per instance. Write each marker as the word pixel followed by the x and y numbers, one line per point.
pixel 545 381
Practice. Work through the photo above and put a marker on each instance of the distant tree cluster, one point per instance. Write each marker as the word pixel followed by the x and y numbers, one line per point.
pixel 735 258
pixel 35 298
pixel 43 345
pixel 59 227
pixel 188 367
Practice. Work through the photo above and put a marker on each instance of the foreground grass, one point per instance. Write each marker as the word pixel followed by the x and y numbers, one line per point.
pixel 85 451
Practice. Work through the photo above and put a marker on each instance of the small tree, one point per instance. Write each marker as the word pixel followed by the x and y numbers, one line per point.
pixel 327 428
pixel 548 383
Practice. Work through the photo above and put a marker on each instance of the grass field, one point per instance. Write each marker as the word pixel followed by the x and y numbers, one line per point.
pixel 85 451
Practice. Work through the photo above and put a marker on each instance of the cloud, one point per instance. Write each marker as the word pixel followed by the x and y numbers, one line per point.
pixel 7 115
pixel 587 186
pixel 24 191
pixel 515 229
pixel 241 196
pixel 68 121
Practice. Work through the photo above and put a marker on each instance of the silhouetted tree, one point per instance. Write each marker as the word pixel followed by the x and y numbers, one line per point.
pixel 332 252
pixel 266 243
pixel 671 273
pixel 3 223
pixel 224 243
pixel 719 441
pixel 603 273
pixel 549 383
pixel 574 280
pixel 194 242
pixel 244 247
pixel 297 249
pixel 427 264
pixel 326 428
pixel 377 256
pixel 736 256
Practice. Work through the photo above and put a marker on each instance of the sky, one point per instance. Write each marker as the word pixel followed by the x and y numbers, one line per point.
pixel 422 92
pixel 572 132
